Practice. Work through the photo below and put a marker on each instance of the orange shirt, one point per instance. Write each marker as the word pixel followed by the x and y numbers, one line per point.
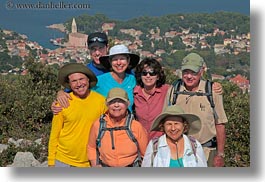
pixel 125 151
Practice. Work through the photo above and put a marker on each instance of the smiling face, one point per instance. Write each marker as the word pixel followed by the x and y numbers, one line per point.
pixel 79 84
pixel 117 108
pixel 149 77
pixel 191 79
pixel 174 127
pixel 120 63
pixel 96 52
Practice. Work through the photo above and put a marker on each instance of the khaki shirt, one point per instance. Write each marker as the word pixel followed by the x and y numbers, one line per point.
pixel 200 106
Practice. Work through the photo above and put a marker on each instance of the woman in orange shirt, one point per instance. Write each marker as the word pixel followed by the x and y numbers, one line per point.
pixel 115 147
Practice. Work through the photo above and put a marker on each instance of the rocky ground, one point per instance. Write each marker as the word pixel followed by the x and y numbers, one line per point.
pixel 23 159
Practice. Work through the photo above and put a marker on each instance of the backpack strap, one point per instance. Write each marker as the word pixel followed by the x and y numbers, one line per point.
pixel 209 91
pixel 176 87
pixel 138 160
pixel 155 146
pixel 101 131
pixel 126 127
pixel 193 146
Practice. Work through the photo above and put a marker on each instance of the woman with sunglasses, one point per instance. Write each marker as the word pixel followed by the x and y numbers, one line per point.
pixel 149 93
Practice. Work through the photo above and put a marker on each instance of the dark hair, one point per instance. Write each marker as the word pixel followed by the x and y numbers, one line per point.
pixel 152 63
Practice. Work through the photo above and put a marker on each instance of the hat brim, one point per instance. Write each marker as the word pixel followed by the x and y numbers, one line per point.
pixel 117 97
pixel 96 44
pixel 193 120
pixel 71 68
pixel 134 60
pixel 192 68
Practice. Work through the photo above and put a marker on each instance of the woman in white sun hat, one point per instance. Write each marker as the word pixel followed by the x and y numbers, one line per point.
pixel 118 62
pixel 176 148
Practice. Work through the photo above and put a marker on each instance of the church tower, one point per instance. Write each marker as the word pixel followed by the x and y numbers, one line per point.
pixel 74 27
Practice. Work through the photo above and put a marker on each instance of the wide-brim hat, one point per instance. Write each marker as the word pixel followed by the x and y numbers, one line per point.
pixel 119 49
pixel 175 110
pixel 71 68
pixel 117 93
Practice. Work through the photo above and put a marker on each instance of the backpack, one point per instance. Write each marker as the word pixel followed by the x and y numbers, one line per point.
pixel 208 93
pixel 155 146
pixel 127 127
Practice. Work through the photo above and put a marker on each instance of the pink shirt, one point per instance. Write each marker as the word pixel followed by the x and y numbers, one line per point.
pixel 148 109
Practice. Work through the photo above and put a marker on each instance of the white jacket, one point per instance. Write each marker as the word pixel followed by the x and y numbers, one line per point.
pixel 162 158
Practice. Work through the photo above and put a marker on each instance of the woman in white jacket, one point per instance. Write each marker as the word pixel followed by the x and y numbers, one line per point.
pixel 176 147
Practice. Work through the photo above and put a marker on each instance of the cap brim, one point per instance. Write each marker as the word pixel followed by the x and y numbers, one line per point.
pixel 110 99
pixel 190 67
pixel 96 44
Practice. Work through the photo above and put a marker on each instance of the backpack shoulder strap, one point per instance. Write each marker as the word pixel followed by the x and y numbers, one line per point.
pixel 193 146
pixel 101 131
pixel 155 146
pixel 176 87
pixel 128 124
pixel 209 95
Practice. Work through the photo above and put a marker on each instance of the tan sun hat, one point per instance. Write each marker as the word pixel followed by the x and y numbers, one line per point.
pixel 71 68
pixel 175 110
pixel 117 93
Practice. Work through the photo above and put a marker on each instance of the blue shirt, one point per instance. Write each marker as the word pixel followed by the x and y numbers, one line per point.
pixel 97 71
pixel 176 163
pixel 106 82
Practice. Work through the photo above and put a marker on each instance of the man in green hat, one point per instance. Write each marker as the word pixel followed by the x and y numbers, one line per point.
pixel 193 99
pixel 71 127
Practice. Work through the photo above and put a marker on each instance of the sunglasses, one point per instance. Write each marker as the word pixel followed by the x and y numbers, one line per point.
pixel 97 39
pixel 151 73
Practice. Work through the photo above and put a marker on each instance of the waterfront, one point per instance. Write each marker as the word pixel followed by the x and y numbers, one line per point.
pixel 33 22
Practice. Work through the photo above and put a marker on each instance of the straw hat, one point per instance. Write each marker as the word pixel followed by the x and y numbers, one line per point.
pixel 71 68
pixel 175 110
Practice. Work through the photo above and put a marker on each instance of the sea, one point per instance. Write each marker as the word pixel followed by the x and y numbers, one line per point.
pixel 30 17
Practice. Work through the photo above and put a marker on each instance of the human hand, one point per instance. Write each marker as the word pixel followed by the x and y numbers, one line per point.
pixel 218 161
pixel 217 88
pixel 62 98
pixel 56 108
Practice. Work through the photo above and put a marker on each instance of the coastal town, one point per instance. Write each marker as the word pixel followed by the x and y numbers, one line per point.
pixel 74 48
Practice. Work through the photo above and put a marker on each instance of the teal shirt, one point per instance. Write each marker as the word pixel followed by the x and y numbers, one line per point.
pixel 176 163
pixel 106 82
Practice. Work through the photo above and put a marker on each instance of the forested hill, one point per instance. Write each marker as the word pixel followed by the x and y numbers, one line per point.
pixel 176 34
pixel 196 22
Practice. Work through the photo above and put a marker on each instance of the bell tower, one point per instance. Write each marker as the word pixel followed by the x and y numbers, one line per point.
pixel 74 27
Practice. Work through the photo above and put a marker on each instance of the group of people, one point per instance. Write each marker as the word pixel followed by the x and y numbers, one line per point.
pixel 117 112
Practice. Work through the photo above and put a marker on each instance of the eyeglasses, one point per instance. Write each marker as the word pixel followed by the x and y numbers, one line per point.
pixel 151 73
pixel 97 39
